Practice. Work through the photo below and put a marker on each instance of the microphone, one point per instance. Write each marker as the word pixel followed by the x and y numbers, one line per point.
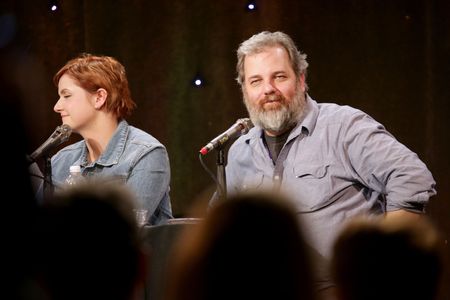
pixel 59 136
pixel 242 126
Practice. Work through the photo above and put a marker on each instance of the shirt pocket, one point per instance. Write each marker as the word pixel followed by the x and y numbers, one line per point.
pixel 251 181
pixel 310 185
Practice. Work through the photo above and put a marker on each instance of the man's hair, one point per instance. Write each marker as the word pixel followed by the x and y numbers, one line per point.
pixel 259 42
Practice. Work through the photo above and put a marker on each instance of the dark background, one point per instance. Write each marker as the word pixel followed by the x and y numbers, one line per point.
pixel 390 58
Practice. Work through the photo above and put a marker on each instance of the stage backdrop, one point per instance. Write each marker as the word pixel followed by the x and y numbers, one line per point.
pixel 388 58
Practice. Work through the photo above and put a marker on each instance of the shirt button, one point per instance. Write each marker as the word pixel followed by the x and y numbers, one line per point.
pixel 277 177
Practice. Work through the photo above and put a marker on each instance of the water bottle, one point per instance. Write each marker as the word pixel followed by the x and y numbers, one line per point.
pixel 74 176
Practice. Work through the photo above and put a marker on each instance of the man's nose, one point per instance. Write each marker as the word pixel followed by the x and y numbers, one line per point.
pixel 269 87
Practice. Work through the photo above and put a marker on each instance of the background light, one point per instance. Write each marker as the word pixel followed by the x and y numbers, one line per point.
pixel 251 6
pixel 53 4
pixel 198 81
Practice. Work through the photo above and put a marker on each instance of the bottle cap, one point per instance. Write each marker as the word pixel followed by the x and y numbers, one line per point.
pixel 74 169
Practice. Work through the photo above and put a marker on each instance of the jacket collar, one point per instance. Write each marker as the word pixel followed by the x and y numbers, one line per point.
pixel 115 147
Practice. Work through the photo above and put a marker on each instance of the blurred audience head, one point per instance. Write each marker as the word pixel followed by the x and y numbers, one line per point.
pixel 249 246
pixel 91 245
pixel 387 259
pixel 19 208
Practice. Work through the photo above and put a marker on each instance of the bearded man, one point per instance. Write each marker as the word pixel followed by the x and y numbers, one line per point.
pixel 333 161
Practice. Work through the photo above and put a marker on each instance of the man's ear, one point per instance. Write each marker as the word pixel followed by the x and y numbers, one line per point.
pixel 302 81
pixel 100 98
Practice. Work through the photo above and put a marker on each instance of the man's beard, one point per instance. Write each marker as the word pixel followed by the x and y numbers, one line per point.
pixel 280 119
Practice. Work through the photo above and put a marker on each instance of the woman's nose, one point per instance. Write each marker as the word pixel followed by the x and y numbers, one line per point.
pixel 57 107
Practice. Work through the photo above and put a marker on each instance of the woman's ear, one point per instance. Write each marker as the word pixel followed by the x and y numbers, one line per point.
pixel 100 98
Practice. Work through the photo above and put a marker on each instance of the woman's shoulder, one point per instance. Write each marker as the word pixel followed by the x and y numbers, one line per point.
pixel 71 149
pixel 69 155
pixel 139 136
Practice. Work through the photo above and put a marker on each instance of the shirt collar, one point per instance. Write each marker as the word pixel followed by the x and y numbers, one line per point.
pixel 115 147
pixel 309 119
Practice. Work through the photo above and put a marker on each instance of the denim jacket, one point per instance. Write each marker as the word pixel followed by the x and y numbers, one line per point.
pixel 133 157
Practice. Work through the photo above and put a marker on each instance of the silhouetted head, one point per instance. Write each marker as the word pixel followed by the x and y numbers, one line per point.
pixel 250 247
pixel 387 259
pixel 91 243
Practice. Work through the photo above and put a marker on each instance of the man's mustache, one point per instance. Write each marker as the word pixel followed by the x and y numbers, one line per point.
pixel 272 98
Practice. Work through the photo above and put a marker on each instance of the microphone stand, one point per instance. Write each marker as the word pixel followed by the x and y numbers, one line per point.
pixel 221 177
pixel 48 183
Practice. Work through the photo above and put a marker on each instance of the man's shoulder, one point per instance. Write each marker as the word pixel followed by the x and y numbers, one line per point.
pixel 337 109
pixel 334 112
pixel 245 141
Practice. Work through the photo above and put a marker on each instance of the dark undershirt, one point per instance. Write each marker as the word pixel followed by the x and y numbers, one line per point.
pixel 275 144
